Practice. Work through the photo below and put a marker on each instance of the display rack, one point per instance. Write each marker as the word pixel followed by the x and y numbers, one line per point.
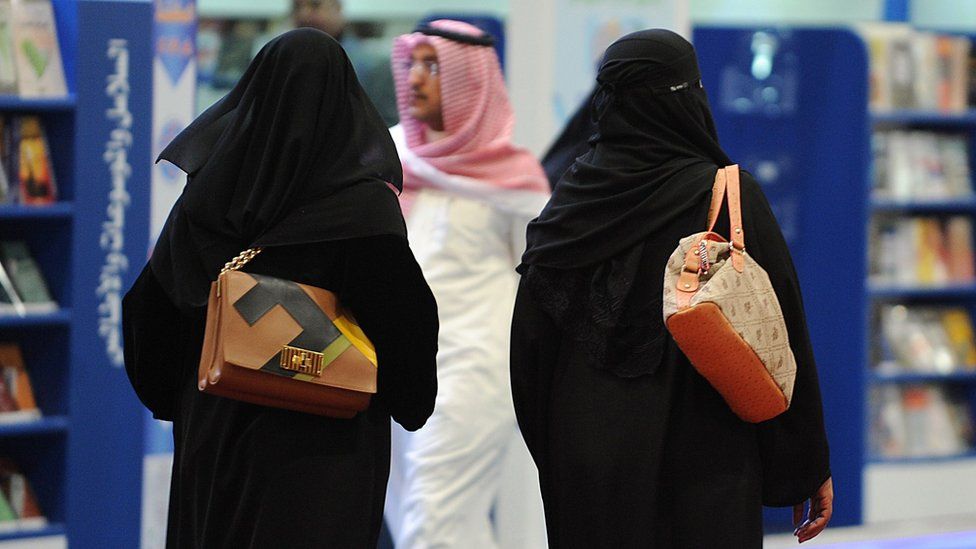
pixel 803 128
pixel 84 456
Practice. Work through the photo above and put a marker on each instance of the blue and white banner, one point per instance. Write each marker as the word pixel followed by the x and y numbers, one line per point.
pixel 587 27
pixel 174 91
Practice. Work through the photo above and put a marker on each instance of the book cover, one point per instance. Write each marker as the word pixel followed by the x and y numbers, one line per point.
pixel 35 176
pixel 959 330
pixel 7 196
pixel 959 73
pixel 25 274
pixel 971 78
pixel 959 244
pixel 7 513
pixel 902 72
pixel 8 66
pixel 10 302
pixel 925 48
pixel 40 72
pixel 954 156
pixel 879 38
pixel 14 373
pixel 18 491
pixel 7 403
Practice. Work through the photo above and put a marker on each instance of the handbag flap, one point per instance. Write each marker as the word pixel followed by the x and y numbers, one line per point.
pixel 293 330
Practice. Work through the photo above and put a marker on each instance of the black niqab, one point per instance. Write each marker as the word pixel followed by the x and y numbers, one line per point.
pixel 294 154
pixel 654 155
pixel 652 159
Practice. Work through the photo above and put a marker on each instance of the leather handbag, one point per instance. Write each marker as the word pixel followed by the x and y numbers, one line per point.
pixel 721 310
pixel 277 343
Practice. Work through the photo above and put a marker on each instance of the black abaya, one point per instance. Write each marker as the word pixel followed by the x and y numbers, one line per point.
pixel 247 476
pixel 659 460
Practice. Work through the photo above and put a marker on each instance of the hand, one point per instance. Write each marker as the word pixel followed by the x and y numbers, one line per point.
pixel 821 509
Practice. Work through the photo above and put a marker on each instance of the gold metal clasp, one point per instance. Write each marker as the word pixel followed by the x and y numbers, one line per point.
pixel 301 360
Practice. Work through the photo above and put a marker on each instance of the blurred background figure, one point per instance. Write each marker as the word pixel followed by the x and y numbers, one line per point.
pixel 467 479
pixel 369 61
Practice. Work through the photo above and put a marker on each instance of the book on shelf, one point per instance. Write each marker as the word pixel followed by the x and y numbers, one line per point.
pixel 17 402
pixel 921 165
pixel 40 72
pixel 912 69
pixel 16 489
pixel 23 289
pixel 35 176
pixel 930 340
pixel 8 66
pixel 924 420
pixel 26 171
pixel 928 252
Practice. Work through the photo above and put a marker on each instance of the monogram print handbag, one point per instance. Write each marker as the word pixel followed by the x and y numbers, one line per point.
pixel 278 343
pixel 721 310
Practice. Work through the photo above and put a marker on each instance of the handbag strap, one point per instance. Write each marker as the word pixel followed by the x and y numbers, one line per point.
pixel 727 186
pixel 242 259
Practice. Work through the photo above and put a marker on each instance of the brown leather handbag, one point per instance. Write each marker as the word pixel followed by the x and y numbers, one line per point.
pixel 278 343
pixel 721 310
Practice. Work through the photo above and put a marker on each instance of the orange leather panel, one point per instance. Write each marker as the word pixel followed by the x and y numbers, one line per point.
pixel 258 387
pixel 326 300
pixel 350 371
pixel 254 346
pixel 703 333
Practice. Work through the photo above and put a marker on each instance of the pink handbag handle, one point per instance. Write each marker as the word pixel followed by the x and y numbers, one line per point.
pixel 727 185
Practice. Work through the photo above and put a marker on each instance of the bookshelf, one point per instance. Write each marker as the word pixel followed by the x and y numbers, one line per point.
pixel 10 103
pixel 924 118
pixel 89 439
pixel 61 210
pixel 805 131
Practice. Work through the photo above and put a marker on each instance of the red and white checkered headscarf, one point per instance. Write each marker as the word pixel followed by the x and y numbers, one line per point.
pixel 478 117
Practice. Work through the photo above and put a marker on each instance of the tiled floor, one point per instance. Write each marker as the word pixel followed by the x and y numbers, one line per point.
pixel 957 532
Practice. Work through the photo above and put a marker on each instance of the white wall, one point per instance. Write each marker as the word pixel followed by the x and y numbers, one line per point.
pixel 810 12
pixel 354 9
pixel 945 14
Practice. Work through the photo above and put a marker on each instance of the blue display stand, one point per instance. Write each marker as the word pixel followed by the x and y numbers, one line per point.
pixel 791 107
pixel 84 458
pixel 113 159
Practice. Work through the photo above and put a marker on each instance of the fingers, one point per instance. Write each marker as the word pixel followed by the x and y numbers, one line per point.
pixel 820 514
pixel 797 515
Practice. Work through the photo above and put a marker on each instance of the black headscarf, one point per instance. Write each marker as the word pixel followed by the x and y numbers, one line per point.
pixel 294 154
pixel 573 142
pixel 654 155
pixel 651 160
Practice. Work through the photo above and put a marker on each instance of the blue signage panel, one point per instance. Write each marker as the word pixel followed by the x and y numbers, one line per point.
pixel 113 159
pixel 790 105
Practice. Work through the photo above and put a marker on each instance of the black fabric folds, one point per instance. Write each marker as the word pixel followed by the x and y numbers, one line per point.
pixel 572 143
pixel 290 156
pixel 651 160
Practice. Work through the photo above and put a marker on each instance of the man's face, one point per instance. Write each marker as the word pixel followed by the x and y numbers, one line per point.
pixel 324 15
pixel 425 87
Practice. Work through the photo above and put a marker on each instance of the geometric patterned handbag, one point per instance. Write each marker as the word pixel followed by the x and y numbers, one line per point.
pixel 278 343
pixel 721 310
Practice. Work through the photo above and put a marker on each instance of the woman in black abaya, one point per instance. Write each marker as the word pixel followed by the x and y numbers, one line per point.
pixel 634 448
pixel 294 159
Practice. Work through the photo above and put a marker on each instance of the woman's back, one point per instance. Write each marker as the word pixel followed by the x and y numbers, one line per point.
pixel 294 160
pixel 634 447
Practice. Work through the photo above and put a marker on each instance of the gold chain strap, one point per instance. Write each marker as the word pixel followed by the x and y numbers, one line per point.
pixel 242 259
